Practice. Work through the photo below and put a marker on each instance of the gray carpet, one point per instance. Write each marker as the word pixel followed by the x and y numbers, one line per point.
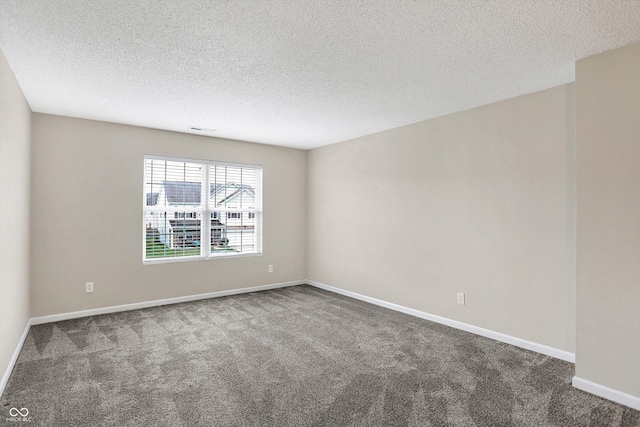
pixel 297 356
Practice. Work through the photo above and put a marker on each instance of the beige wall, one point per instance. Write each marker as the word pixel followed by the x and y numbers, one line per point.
pixel 479 202
pixel 87 216
pixel 15 130
pixel 608 219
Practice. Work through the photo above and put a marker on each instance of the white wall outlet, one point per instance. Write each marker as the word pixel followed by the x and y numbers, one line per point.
pixel 88 287
pixel 270 268
pixel 461 298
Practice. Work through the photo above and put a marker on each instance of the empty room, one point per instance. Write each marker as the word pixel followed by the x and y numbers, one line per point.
pixel 320 213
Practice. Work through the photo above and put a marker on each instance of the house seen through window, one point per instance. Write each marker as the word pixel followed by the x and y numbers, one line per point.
pixel 201 209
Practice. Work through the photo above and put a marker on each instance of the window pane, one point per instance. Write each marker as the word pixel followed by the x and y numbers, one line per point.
pixel 172 234
pixel 232 187
pixel 232 234
pixel 169 183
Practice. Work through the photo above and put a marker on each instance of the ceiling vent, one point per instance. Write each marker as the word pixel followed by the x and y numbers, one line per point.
pixel 202 129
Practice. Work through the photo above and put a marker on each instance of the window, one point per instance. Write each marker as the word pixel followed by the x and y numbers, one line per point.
pixel 186 214
pixel 195 209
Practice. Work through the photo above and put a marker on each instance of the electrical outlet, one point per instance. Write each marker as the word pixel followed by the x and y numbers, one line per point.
pixel 461 298
pixel 88 287
pixel 270 268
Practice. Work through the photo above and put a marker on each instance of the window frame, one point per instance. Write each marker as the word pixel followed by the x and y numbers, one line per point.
pixel 207 213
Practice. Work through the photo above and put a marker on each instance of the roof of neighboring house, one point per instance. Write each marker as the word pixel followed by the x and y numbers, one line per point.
pixel 181 224
pixel 188 193
pixel 185 224
pixel 240 189
pixel 182 193
pixel 152 199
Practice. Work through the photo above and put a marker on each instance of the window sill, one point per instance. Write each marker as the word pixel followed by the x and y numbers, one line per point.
pixel 199 258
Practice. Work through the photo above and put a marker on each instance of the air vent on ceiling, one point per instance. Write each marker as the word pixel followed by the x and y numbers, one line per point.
pixel 202 129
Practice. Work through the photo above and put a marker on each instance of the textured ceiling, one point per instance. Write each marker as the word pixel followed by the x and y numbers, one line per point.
pixel 297 73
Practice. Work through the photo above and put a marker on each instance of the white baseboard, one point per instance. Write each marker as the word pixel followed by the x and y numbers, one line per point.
pixel 14 358
pixel 156 303
pixel 518 342
pixel 606 392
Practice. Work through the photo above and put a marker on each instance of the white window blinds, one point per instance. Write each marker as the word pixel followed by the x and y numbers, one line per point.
pixel 201 209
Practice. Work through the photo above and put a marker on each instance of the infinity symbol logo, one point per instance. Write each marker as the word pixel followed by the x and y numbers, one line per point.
pixel 14 412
